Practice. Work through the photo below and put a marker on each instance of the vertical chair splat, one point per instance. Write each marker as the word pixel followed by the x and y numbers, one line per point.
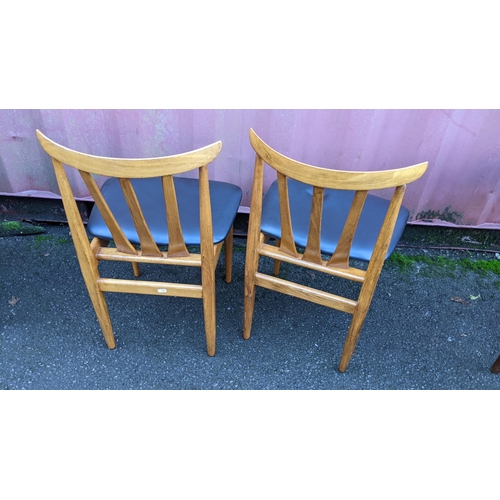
pixel 287 244
pixel 340 257
pixel 313 248
pixel 176 245
pixel 121 241
pixel 148 245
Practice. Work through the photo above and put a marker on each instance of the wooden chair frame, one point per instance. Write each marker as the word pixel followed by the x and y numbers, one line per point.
pixel 90 253
pixel 338 265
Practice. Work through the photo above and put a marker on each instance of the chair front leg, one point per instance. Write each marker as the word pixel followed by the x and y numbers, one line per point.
pixel 90 276
pixel 89 267
pixel 228 255
pixel 496 366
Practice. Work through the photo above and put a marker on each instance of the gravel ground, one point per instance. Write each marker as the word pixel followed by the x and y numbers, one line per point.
pixel 428 328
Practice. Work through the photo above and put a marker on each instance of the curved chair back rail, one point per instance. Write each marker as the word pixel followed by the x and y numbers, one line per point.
pixel 334 179
pixel 142 207
pixel 131 167
pixel 323 211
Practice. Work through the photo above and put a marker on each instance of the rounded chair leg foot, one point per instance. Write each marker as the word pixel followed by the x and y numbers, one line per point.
pixel 496 366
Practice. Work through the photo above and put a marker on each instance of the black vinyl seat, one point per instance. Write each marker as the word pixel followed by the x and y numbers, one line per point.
pixel 224 198
pixel 336 206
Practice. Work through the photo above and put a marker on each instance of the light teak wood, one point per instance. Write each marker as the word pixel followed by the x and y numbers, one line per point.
pixel 90 253
pixel 338 265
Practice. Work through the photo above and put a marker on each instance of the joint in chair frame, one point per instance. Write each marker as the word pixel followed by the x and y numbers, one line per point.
pixel 325 212
pixel 142 207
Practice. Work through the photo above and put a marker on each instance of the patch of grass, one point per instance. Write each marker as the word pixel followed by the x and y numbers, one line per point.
pixel 9 226
pixel 15 228
pixel 62 241
pixel 406 262
pixel 40 239
pixel 480 266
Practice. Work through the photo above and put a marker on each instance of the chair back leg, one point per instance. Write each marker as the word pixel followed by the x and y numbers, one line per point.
pixel 251 268
pixel 251 264
pixel 88 266
pixel 496 366
pixel 352 336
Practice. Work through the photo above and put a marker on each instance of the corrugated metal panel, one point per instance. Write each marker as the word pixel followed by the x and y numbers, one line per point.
pixel 461 186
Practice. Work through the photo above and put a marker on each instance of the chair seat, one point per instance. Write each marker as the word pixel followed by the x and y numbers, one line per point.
pixel 336 207
pixel 225 199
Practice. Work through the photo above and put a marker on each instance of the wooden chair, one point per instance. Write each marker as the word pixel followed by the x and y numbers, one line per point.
pixel 142 207
pixel 321 211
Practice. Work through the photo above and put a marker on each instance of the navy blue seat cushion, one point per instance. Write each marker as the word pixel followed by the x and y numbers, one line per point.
pixel 225 199
pixel 336 206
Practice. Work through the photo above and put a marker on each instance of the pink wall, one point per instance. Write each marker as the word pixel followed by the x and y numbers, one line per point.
pixel 462 147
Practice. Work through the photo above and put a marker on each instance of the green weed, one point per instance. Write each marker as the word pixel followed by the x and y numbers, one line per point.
pixel 40 239
pixel 440 263
pixel 10 226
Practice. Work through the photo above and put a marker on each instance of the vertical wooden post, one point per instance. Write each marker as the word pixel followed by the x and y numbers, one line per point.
pixel 252 252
